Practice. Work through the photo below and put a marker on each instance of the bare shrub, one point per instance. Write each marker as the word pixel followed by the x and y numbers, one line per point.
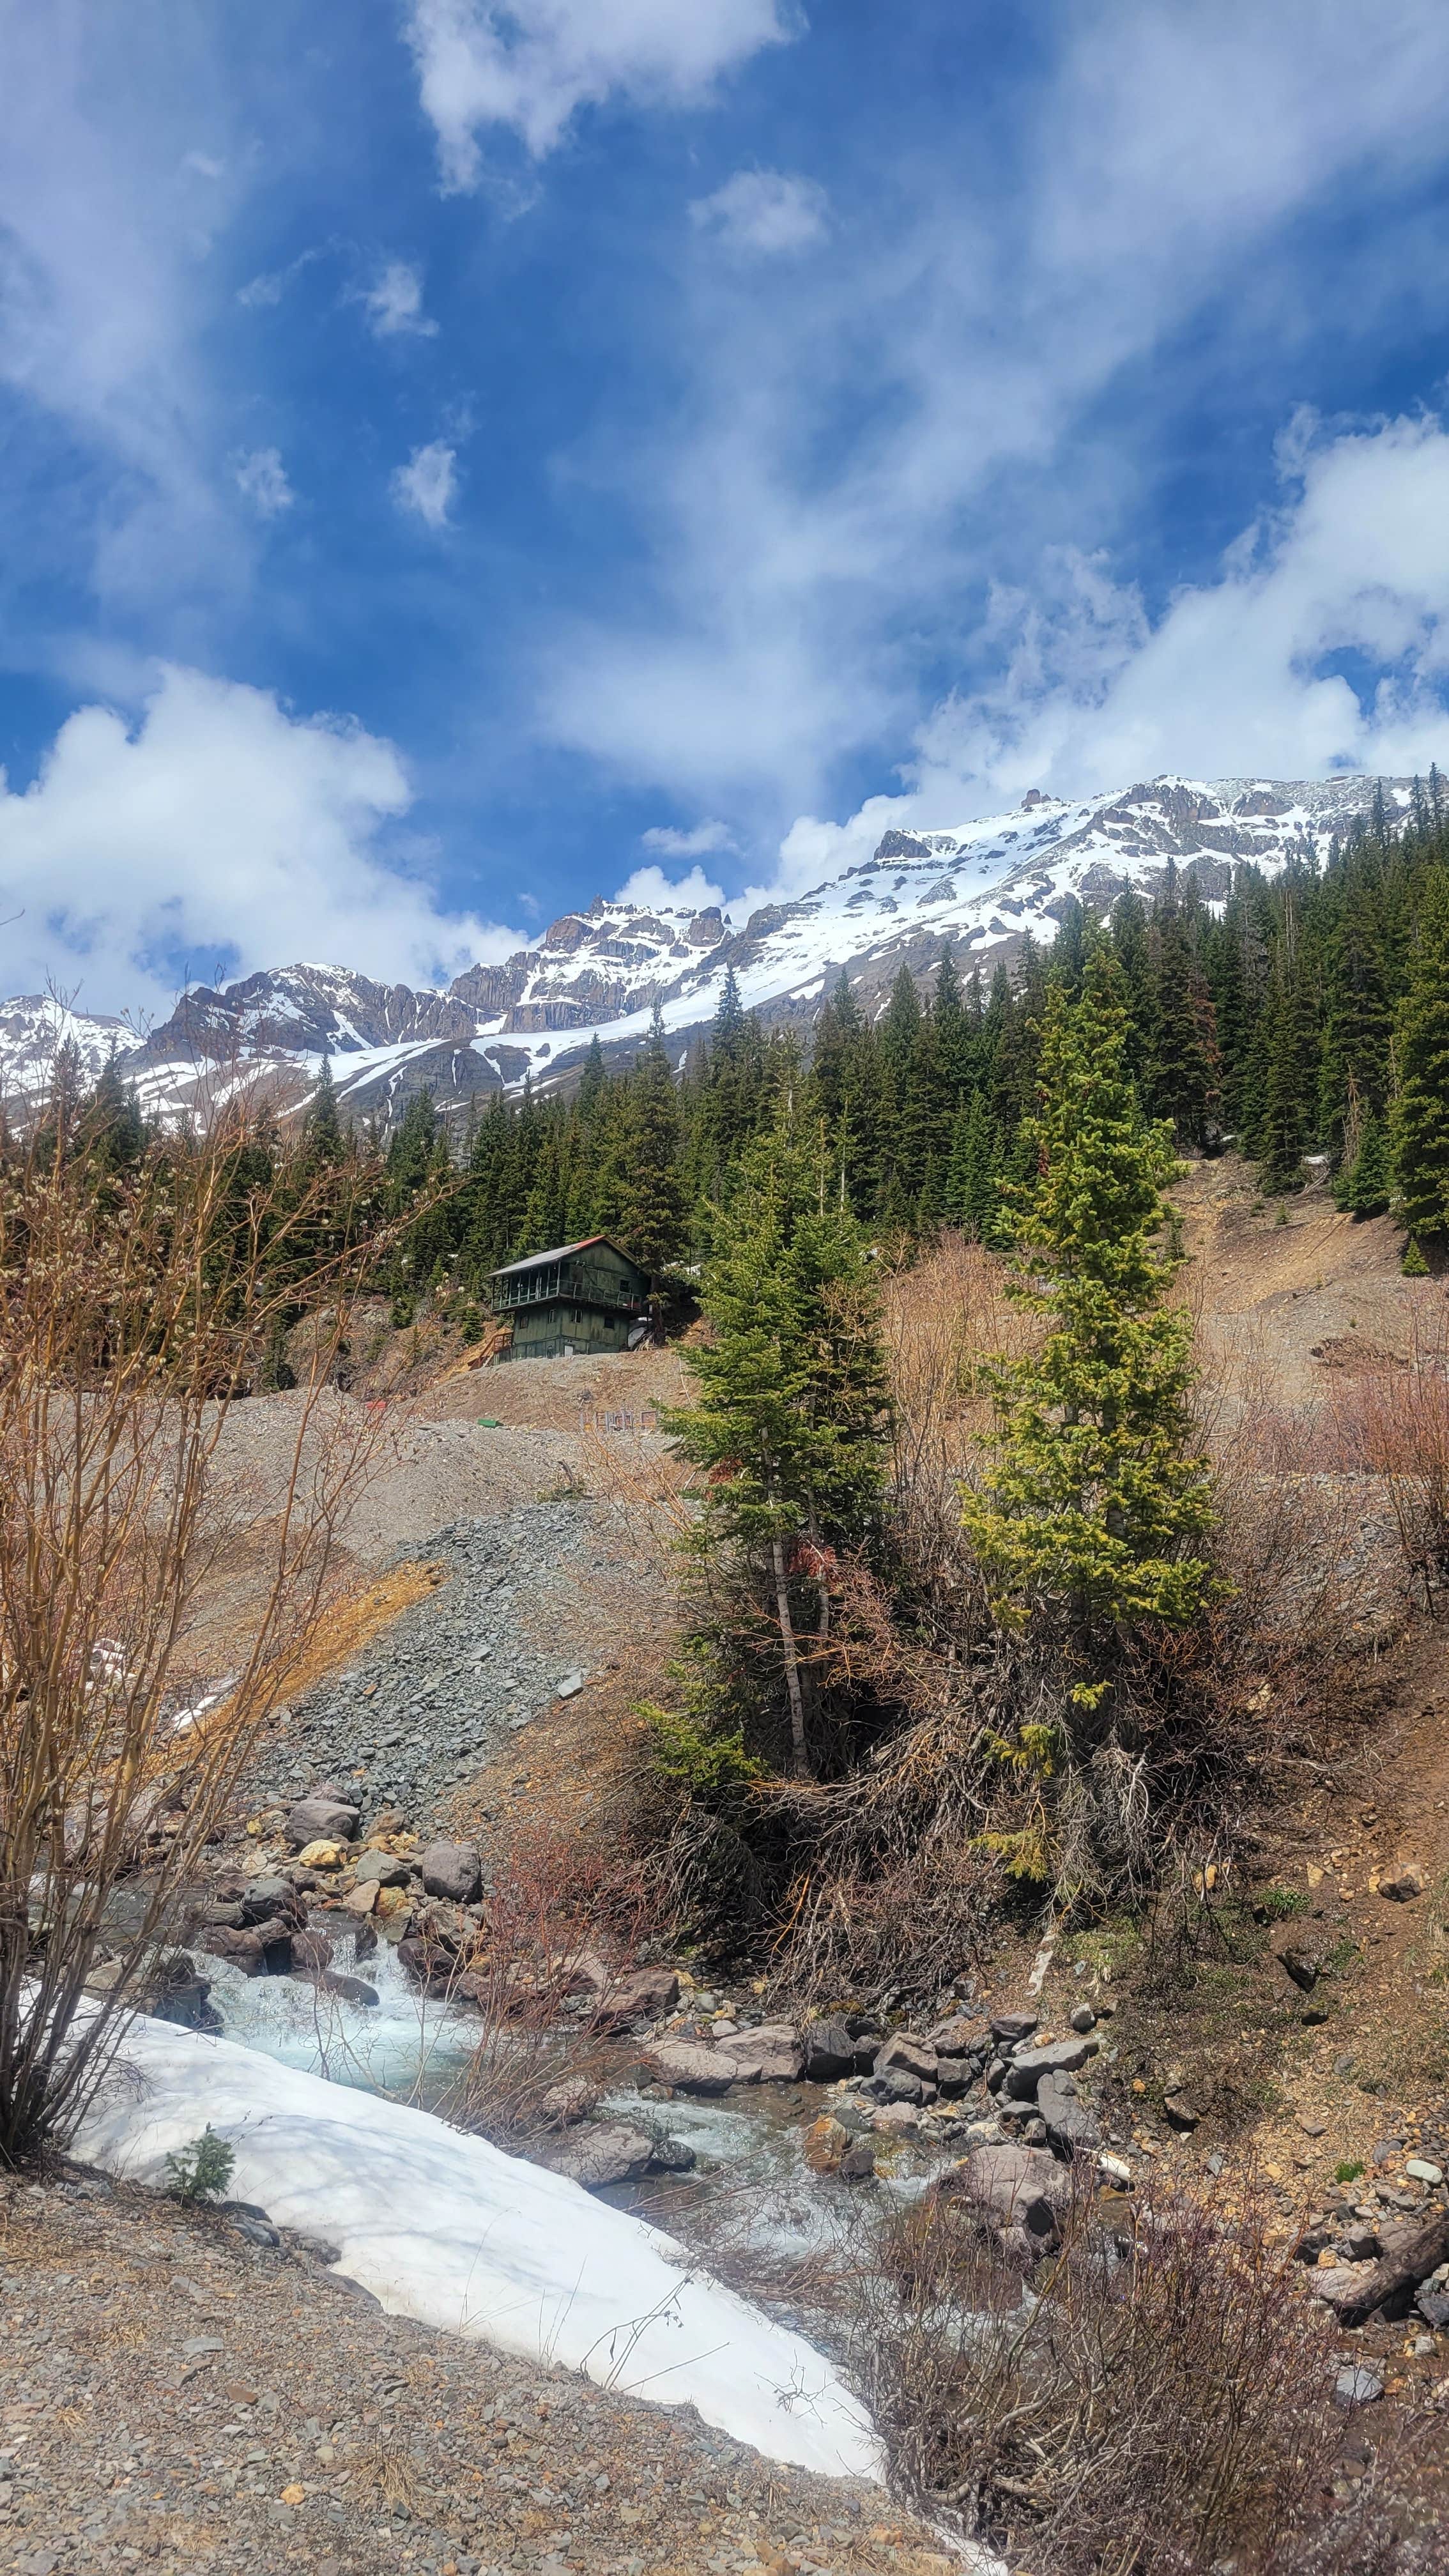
pixel 133 1305
pixel 564 1926
pixel 1393 1423
pixel 1157 2403
pixel 939 1322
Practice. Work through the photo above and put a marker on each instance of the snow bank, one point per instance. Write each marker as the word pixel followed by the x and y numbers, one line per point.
pixel 447 2229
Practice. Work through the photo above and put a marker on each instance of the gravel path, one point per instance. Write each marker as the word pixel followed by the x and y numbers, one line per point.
pixel 450 1682
pixel 176 2397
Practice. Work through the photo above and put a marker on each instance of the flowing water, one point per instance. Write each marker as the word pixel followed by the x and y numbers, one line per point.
pixel 407 2045
pixel 749 2186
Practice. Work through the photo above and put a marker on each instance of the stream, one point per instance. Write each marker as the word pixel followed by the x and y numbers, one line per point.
pixel 749 2183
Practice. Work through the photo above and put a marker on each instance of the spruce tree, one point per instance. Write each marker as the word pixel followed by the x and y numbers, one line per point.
pixel 1421 1111
pixel 791 1393
pixel 322 1139
pixel 652 1219
pixel 973 1199
pixel 1363 1186
pixel 1096 1501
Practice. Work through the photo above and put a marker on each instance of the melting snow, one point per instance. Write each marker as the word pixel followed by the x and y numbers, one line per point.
pixel 447 2229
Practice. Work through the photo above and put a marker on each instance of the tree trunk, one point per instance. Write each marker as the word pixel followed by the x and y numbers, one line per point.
pixel 800 1759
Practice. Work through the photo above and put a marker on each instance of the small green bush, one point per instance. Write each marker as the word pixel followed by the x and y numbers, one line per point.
pixel 1348 2172
pixel 202 2170
pixel 1413 1265
pixel 404 1309
pixel 708 1766
pixel 1278 1904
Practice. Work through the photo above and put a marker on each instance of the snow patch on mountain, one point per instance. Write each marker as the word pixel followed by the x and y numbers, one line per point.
pixel 978 888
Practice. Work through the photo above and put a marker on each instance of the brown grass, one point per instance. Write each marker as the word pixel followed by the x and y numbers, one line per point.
pixel 1393 1423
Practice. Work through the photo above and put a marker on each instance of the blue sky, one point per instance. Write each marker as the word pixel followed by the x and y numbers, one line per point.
pixel 460 458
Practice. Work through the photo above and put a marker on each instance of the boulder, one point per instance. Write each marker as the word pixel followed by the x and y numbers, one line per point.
pixel 772 2053
pixel 322 1819
pixel 1068 2121
pixel 332 1855
pixel 1357 2385
pixel 895 2085
pixel 268 1896
pixel 1181 2113
pixel 1023 2191
pixel 598 2156
pixel 910 2055
pixel 898 2119
pixel 1296 1964
pixel 381 1869
pixel 1403 1882
pixel 311 1953
pixel 823 2145
pixel 1060 2057
pixel 353 1990
pixel 964 2035
pixel 829 2050
pixel 565 2104
pixel 639 1997
pixel 1010 2029
pixel 690 2067
pixel 671 2155
pixel 858 2162
pixel 1084 2019
pixel 452 1870
pixel 362 1899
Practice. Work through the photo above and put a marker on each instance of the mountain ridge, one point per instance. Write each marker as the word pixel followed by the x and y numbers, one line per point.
pixel 979 888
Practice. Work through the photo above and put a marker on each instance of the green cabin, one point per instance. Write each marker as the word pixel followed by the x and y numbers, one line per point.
pixel 579 1297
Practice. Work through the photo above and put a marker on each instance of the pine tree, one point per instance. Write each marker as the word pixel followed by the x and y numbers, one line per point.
pixel 791 1396
pixel 1421 1111
pixel 1096 1501
pixel 652 1221
pixel 1363 1186
pixel 322 1137
pixel 1290 1069
pixel 973 1198
pixel 1183 1071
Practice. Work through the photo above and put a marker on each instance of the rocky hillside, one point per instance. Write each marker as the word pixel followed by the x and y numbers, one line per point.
pixel 977 888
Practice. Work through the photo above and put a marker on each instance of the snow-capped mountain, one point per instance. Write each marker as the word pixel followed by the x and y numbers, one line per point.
pixel 977 889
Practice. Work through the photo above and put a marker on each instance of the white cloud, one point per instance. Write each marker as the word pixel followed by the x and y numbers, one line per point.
pixel 528 65
pixel 1233 679
pixel 650 889
pixel 428 483
pixel 261 479
pixel 107 214
pixel 765 213
pixel 688 845
pixel 864 444
pixel 218 823
pixel 395 304
pixel 272 285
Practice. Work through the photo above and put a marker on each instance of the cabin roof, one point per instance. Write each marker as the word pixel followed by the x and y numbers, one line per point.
pixel 561 1252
